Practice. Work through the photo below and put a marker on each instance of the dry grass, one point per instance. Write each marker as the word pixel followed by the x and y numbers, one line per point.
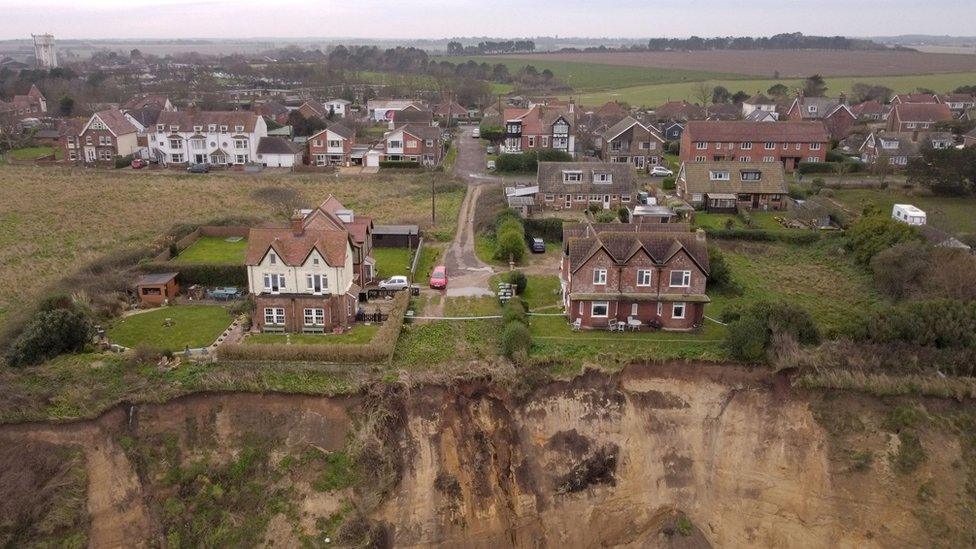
pixel 890 385
pixel 54 220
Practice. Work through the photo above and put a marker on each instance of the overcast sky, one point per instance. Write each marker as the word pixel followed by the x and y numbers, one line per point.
pixel 497 18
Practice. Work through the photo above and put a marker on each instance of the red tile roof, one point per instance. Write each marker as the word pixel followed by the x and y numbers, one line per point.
pixel 922 112
pixel 740 130
pixel 117 123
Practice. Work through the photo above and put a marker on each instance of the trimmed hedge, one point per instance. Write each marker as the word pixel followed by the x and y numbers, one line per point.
pixel 762 235
pixel 123 161
pixel 828 167
pixel 547 228
pixel 379 349
pixel 400 164
pixel 204 274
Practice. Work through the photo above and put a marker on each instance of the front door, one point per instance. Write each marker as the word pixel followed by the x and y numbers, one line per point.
pixel 606 202
pixel 90 154
pixel 569 201
pixel 200 158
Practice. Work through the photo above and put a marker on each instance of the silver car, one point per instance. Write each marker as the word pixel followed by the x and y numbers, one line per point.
pixel 398 282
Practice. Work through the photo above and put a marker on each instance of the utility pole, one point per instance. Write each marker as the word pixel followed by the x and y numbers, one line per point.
pixel 433 217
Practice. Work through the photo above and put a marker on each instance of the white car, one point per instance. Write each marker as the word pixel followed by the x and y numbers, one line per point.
pixel 398 282
pixel 476 133
pixel 661 171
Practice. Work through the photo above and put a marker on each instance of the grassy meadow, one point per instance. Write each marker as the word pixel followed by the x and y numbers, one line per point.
pixel 953 214
pixel 54 220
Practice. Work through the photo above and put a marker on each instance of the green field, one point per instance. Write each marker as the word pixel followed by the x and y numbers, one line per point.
pixel 29 153
pixel 956 215
pixel 653 94
pixel 599 76
pixel 213 249
pixel 193 326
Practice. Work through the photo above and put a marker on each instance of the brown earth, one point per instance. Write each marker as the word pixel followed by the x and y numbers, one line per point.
pixel 789 63
pixel 666 455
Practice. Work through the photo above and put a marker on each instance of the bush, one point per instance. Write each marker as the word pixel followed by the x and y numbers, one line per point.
pixel 553 155
pixel 49 334
pixel 797 192
pixel 668 183
pixel 673 147
pixel 399 164
pixel 763 235
pixel 805 168
pixel 510 237
pixel 548 228
pixel 623 214
pixel 939 323
pixel 901 268
pixel 514 311
pixel 746 339
pixel 719 276
pixel 871 235
pixel 508 163
pixel 516 340
pixel 518 280
pixel 606 217
pixel 123 161
pixel 750 331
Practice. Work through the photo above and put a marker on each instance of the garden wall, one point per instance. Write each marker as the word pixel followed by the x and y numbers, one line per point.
pixel 379 349
pixel 216 231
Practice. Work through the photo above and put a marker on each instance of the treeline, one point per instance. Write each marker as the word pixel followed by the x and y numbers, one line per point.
pixel 507 46
pixel 786 41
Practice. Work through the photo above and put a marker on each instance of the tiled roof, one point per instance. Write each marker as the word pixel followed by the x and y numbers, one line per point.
pixel 626 124
pixel 276 145
pixel 740 130
pixel 824 107
pixel 145 101
pixel 551 179
pixel 621 246
pixel 116 121
pixel 341 130
pixel 914 98
pixel 922 112
pixel 695 177
pixel 423 132
pixel 411 116
pixel 186 120
pixel 759 99
pixel 293 248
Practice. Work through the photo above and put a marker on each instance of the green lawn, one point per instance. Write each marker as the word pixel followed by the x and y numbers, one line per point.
pixel 29 153
pixel 598 76
pixel 428 345
pixel 760 220
pixel 358 335
pixel 654 93
pixel 193 326
pixel 540 291
pixel 213 249
pixel 817 277
pixel 396 261
pixel 957 215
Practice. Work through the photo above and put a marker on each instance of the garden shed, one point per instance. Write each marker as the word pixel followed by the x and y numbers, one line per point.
pixel 157 288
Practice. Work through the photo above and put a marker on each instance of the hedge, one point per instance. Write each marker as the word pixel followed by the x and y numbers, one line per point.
pixel 123 161
pixel 762 235
pixel 379 349
pixel 828 167
pixel 547 228
pixel 204 274
pixel 399 164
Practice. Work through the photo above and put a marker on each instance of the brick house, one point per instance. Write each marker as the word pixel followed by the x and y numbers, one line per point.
pixel 910 117
pixel 682 111
pixel 897 148
pixel 33 104
pixel 313 109
pixel 726 186
pixel 305 277
pixel 272 110
pixel 576 185
pixel 958 103
pixel 614 272
pixel 220 138
pixel 417 117
pixel 871 111
pixel 331 146
pixel 106 135
pixel 331 214
pixel 539 127
pixel 900 98
pixel 789 142
pixel 631 142
pixel 69 141
pixel 450 112
pixel 412 143
pixel 837 117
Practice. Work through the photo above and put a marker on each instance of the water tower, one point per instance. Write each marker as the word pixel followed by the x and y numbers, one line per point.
pixel 47 57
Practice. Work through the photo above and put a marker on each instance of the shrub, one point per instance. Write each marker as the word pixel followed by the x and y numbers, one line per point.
pixel 910 454
pixel 510 246
pixel 508 163
pixel 943 323
pixel 900 268
pixel 623 214
pixel 673 147
pixel 123 161
pixel 553 155
pixel 746 339
pixel 516 340
pixel 514 311
pixel 762 235
pixel 548 228
pixel 751 332
pixel 797 192
pixel 668 183
pixel 594 208
pixel 870 235
pixel 399 164
pixel 518 280
pixel 49 334
pixel 816 167
pixel 606 217
pixel 719 276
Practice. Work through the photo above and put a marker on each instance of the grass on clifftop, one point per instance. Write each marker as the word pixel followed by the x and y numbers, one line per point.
pixel 192 326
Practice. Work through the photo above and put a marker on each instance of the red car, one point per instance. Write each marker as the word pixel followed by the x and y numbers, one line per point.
pixel 438 278
pixel 138 163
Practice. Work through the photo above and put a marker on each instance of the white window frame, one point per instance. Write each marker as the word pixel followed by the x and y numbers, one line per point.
pixel 595 304
pixel 701 145
pixel 323 280
pixel 814 146
pixel 674 308
pixel 313 316
pixel 274 316
pixel 599 277
pixel 644 273
pixel 685 279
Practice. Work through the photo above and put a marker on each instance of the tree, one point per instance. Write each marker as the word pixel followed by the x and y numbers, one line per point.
pixel 947 172
pixel 814 86
pixel 872 234
pixel 720 94
pixel 866 92
pixel 739 97
pixel 702 93
pixel 66 105
pixel 49 334
pixel 778 91
pixel 455 48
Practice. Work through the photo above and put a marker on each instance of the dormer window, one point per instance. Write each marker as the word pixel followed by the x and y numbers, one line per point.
pixel 717 175
pixel 174 128
pixel 750 175
pixel 223 129
pixel 602 177
pixel 238 128
pixel 212 128
pixel 160 128
pixel 812 109
pixel 198 129
pixel 574 176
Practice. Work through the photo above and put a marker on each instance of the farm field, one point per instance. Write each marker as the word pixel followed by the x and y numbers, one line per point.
pixel 788 63
pixel 54 220
pixel 600 76
pixel 657 94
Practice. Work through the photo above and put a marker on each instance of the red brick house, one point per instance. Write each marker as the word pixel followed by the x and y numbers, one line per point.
pixel 313 109
pixel 958 103
pixel 106 135
pixel 612 273
pixel 899 98
pixel 910 117
pixel 631 142
pixel 836 116
pixel 413 143
pixel 68 139
pixel 576 185
pixel 331 146
pixel 31 105
pixel 680 111
pixel 272 110
pixel 417 117
pixel 789 142
pixel 450 112
pixel 871 111
pixel 540 127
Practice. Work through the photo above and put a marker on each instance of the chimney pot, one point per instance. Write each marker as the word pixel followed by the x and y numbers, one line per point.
pixel 297 225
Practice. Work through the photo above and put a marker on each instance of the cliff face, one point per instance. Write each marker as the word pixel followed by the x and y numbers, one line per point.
pixel 668 455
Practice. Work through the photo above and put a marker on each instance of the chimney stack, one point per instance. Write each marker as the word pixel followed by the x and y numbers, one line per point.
pixel 700 234
pixel 843 98
pixel 297 224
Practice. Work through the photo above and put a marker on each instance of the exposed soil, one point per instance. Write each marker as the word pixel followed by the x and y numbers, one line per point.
pixel 657 455
pixel 789 63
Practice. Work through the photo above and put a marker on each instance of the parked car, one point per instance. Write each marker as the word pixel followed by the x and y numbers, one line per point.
pixel 490 149
pixel 661 171
pixel 438 278
pixel 476 133
pixel 398 282
pixel 138 164
pixel 538 246
pixel 199 168
pixel 642 197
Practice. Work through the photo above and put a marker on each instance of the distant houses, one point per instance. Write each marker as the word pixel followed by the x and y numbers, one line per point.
pixel 788 142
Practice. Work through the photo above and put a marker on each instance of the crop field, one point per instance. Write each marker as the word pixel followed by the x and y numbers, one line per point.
pixel 54 220
pixel 788 63
pixel 657 94
pixel 584 76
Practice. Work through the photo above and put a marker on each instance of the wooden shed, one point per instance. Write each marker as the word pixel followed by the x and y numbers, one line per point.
pixel 396 236
pixel 157 288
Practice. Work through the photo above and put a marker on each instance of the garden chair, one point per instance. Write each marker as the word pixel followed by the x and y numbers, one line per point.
pixel 577 324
